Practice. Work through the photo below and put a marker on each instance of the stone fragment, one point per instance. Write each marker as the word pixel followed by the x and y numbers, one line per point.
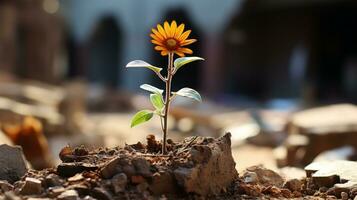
pixel 137 179
pixel 119 182
pixel 329 173
pixel 31 186
pixel 71 169
pixel 11 196
pixel 12 163
pixel 5 186
pixel 101 193
pixel 344 196
pixel 266 176
pixel 111 168
pixel 55 191
pixel 142 187
pixel 250 177
pixel 89 198
pixel 325 129
pixel 142 167
pixel 293 185
pixel 218 166
pixel 68 195
pixel 163 182
pixel 52 180
pixel 75 178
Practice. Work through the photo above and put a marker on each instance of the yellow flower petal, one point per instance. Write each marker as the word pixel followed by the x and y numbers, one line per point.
pixel 167 29
pixel 157 42
pixel 187 42
pixel 185 50
pixel 185 35
pixel 164 53
pixel 161 31
pixel 173 28
pixel 159 48
pixel 180 54
pixel 157 34
pixel 179 30
pixel 155 37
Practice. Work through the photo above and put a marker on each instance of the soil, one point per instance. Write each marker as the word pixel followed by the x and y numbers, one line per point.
pixel 197 168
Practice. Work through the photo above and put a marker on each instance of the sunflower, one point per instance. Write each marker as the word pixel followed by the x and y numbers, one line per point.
pixel 171 39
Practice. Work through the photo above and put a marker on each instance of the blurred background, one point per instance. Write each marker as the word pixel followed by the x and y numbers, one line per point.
pixel 268 64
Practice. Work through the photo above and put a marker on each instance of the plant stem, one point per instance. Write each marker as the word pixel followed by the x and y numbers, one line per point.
pixel 167 99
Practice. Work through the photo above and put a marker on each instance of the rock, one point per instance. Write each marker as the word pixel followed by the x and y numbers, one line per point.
pixel 30 136
pixel 266 176
pixel 142 187
pixel 76 178
pixel 31 186
pixel 12 163
pixel 111 168
pixel 137 179
pixel 218 166
pixel 341 175
pixel 11 196
pixel 52 180
pixel 325 129
pixel 101 193
pixel 5 186
pixel 163 182
pixel 344 196
pixel 71 169
pixel 250 177
pixel 89 198
pixel 293 185
pixel 68 195
pixel 55 191
pixel 142 167
pixel 119 182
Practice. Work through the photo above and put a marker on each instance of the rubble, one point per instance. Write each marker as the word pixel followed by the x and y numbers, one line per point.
pixel 12 163
pixel 68 195
pixel 264 176
pixel 31 186
pixel 322 133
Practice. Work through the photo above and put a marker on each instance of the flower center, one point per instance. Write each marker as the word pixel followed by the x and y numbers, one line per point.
pixel 171 43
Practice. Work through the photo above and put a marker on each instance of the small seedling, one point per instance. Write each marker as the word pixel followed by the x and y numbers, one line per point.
pixel 169 40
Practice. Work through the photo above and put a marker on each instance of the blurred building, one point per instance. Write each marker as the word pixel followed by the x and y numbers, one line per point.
pixel 256 48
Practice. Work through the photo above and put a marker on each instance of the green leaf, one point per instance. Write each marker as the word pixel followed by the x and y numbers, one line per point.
pixel 179 62
pixel 151 88
pixel 190 93
pixel 157 102
pixel 141 117
pixel 140 63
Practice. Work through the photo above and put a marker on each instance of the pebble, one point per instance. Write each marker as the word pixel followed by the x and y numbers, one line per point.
pixel 101 193
pixel 293 185
pixel 52 180
pixel 111 168
pixel 68 195
pixel 142 167
pixel 250 177
pixel 344 196
pixel 31 186
pixel 12 165
pixel 119 182
pixel 55 191
pixel 5 186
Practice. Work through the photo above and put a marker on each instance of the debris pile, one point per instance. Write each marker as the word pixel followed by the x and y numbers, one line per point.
pixel 136 171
